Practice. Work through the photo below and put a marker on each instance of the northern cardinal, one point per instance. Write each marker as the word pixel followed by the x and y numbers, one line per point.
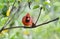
pixel 27 20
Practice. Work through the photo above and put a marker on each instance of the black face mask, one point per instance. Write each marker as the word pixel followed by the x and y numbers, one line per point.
pixel 27 19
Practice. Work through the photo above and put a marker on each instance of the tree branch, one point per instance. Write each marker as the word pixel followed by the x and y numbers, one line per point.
pixel 48 22
pixel 34 26
pixel 38 15
pixel 17 10
pixel 7 22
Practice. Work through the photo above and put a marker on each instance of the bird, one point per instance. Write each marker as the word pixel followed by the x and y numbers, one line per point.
pixel 27 20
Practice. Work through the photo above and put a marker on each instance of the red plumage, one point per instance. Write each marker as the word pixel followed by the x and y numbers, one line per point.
pixel 27 20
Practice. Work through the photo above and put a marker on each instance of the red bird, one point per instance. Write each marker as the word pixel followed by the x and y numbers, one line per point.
pixel 27 20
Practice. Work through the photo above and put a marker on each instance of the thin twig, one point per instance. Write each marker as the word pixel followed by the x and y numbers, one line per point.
pixel 38 15
pixel 12 6
pixel 48 22
pixel 17 10
pixel 29 4
pixel 7 22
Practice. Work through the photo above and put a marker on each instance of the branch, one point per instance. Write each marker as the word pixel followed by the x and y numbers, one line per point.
pixel 7 22
pixel 34 26
pixel 17 27
pixel 38 15
pixel 29 4
pixel 17 10
pixel 13 6
pixel 48 22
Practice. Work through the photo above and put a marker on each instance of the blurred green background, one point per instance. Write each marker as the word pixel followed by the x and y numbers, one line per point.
pixel 51 10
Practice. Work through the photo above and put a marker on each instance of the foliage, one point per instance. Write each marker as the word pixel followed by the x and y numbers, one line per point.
pixel 50 11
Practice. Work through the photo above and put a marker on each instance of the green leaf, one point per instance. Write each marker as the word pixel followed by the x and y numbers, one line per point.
pixel 37 0
pixel 45 3
pixel 36 6
pixel 3 20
